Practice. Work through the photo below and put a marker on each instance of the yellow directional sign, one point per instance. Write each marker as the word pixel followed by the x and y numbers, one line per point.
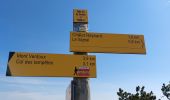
pixel 107 43
pixel 51 65
pixel 80 16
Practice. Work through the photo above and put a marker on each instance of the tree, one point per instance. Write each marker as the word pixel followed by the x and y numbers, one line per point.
pixel 140 94
pixel 166 90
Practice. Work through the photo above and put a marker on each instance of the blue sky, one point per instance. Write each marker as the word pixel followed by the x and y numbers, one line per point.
pixel 43 26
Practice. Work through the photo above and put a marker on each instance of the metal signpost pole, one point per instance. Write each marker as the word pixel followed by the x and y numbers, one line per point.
pixel 80 86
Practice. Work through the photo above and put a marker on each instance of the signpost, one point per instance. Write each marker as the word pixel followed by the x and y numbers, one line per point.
pixel 80 65
pixel 51 65
pixel 107 43
pixel 80 86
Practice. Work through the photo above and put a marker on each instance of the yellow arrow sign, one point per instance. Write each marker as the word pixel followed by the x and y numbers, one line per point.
pixel 80 16
pixel 107 43
pixel 51 65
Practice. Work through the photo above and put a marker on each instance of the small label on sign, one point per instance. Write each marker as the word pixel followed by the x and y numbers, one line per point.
pixel 80 16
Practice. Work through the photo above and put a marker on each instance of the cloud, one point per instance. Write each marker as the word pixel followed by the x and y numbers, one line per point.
pixel 33 84
pixel 14 88
pixel 16 95
pixel 29 81
pixel 103 91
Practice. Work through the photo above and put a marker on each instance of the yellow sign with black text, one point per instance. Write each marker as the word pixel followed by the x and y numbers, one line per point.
pixel 80 16
pixel 51 65
pixel 107 43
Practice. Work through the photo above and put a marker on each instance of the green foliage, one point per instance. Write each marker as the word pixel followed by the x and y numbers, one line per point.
pixel 140 94
pixel 166 90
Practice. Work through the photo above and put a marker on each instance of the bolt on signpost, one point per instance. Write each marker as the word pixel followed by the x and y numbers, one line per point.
pixel 80 86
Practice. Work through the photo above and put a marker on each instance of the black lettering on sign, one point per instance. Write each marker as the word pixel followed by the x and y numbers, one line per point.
pixel 28 62
pixel 92 64
pixel 18 61
pixel 134 39
pixel 22 55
